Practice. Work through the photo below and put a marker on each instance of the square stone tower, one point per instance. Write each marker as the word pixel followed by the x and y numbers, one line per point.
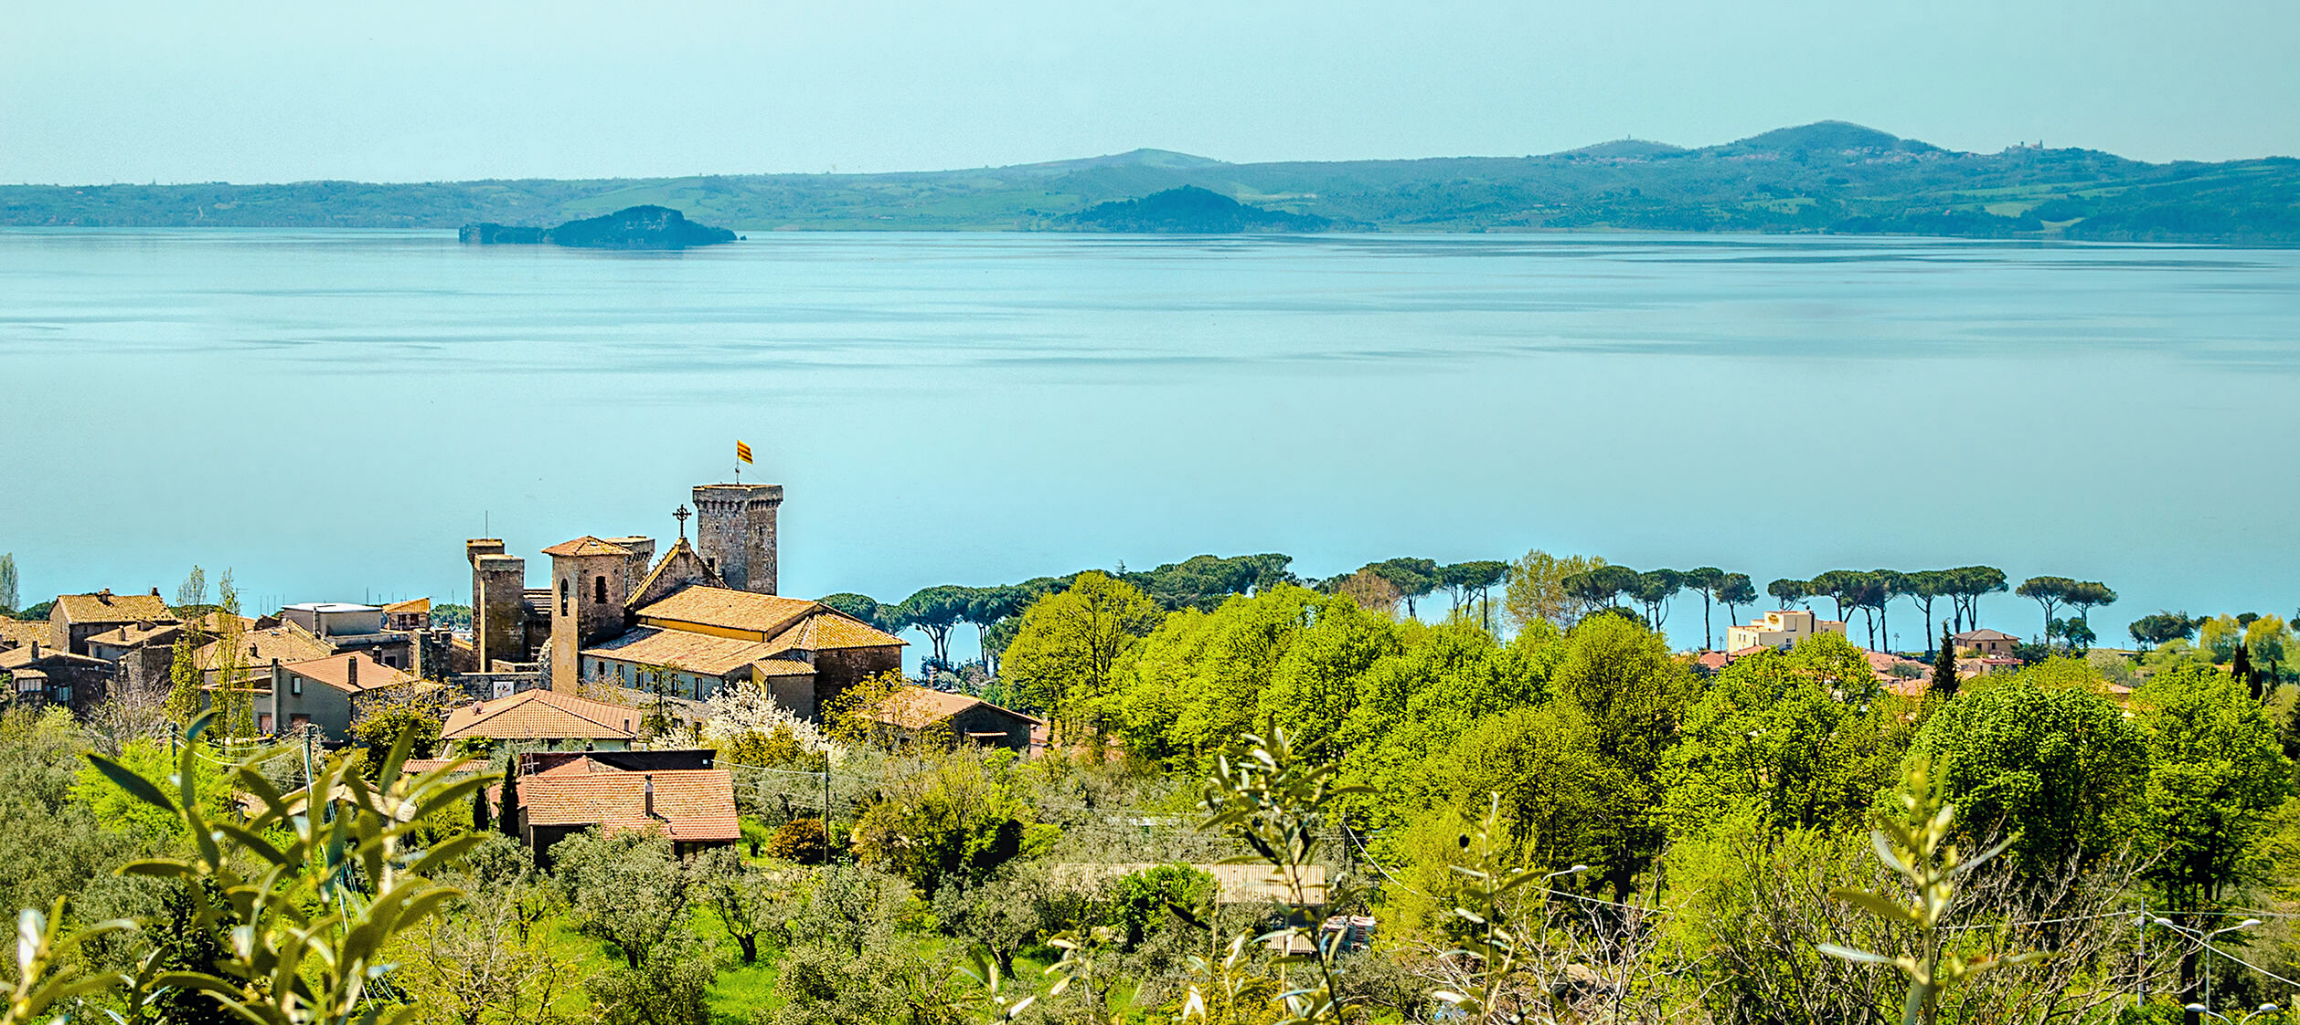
pixel 498 606
pixel 590 578
pixel 735 532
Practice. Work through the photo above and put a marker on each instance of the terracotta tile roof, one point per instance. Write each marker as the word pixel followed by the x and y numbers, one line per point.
pixel 587 545
pixel 335 671
pixel 23 631
pixel 112 608
pixel 781 667
pixel 696 653
pixel 831 630
pixel 1984 634
pixel 259 647
pixel 913 707
pixel 541 715
pixel 410 605
pixel 762 615
pixel 691 805
pixel 17 658
pixel 132 635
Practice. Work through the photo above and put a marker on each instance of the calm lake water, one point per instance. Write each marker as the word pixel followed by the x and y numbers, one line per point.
pixel 331 413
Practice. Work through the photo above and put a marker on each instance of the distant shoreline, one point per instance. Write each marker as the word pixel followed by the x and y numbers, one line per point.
pixel 450 235
pixel 1824 178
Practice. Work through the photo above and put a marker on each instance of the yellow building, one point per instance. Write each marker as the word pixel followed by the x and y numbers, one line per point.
pixel 1781 629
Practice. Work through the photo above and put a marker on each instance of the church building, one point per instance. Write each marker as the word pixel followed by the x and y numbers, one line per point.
pixel 702 617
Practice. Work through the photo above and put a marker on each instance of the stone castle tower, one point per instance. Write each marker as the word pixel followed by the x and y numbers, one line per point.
pixel 591 579
pixel 498 603
pixel 735 532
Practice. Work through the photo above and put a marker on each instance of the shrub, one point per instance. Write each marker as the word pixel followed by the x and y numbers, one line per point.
pixel 800 840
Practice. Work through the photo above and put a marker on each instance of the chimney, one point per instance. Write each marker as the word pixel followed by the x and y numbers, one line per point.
pixel 650 795
pixel 104 596
pixel 351 671
pixel 155 592
pixel 35 651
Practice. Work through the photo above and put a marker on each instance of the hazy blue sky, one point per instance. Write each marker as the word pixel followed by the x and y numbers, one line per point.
pixel 125 90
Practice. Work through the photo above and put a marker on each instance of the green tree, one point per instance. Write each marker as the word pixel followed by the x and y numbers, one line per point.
pixel 507 813
pixel 1653 589
pixel 8 595
pixel 1536 589
pixel 1923 588
pixel 1789 592
pixel 1733 592
pixel 1944 685
pixel 1065 655
pixel 1413 578
pixel 954 813
pixel 860 606
pixel 1622 677
pixel 935 611
pixel 2240 669
pixel 1472 583
pixel 2049 593
pixel 627 888
pixel 2160 627
pixel 2057 763
pixel 748 902
pixel 1966 585
pixel 2086 595
pixel 2268 639
pixel 1801 738
pixel 1704 581
pixel 2216 771
pixel 986 608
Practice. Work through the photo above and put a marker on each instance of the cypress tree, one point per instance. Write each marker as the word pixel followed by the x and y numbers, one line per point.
pixel 1945 668
pixel 2241 668
pixel 507 814
pixel 479 823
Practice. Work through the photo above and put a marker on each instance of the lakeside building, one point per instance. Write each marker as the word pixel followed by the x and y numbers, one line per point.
pixel 1779 629
pixel 703 617
pixel 1986 643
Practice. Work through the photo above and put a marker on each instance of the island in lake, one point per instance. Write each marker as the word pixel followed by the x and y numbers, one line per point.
pixel 1190 210
pixel 638 227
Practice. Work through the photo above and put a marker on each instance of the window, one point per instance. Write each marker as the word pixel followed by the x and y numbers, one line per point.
pixel 295 686
pixel 599 590
pixel 562 596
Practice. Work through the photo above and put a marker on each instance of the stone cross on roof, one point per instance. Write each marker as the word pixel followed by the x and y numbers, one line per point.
pixel 681 516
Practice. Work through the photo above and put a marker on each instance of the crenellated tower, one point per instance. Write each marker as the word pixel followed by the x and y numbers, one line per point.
pixel 735 532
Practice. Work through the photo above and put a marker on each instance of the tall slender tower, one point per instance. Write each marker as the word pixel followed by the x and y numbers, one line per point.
pixel 735 532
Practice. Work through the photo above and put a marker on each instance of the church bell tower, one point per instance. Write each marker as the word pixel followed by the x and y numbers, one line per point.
pixel 735 532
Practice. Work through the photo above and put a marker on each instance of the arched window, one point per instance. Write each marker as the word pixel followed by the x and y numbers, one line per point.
pixel 599 590
pixel 562 596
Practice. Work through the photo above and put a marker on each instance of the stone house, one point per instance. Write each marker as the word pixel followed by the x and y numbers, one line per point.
pixel 76 617
pixel 44 677
pixel 552 720
pixel 1986 643
pixel 693 808
pixel 328 693
pixel 914 710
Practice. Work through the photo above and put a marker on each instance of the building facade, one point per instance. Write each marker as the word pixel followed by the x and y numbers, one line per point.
pixel 1782 629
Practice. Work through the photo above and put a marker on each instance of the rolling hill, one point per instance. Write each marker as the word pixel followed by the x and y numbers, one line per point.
pixel 1825 177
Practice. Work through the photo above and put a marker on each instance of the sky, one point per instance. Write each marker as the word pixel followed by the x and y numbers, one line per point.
pixel 104 91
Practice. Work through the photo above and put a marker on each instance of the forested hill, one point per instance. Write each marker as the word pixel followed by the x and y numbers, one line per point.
pixel 1829 176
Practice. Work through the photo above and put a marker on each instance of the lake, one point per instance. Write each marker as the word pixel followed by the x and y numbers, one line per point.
pixel 330 413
